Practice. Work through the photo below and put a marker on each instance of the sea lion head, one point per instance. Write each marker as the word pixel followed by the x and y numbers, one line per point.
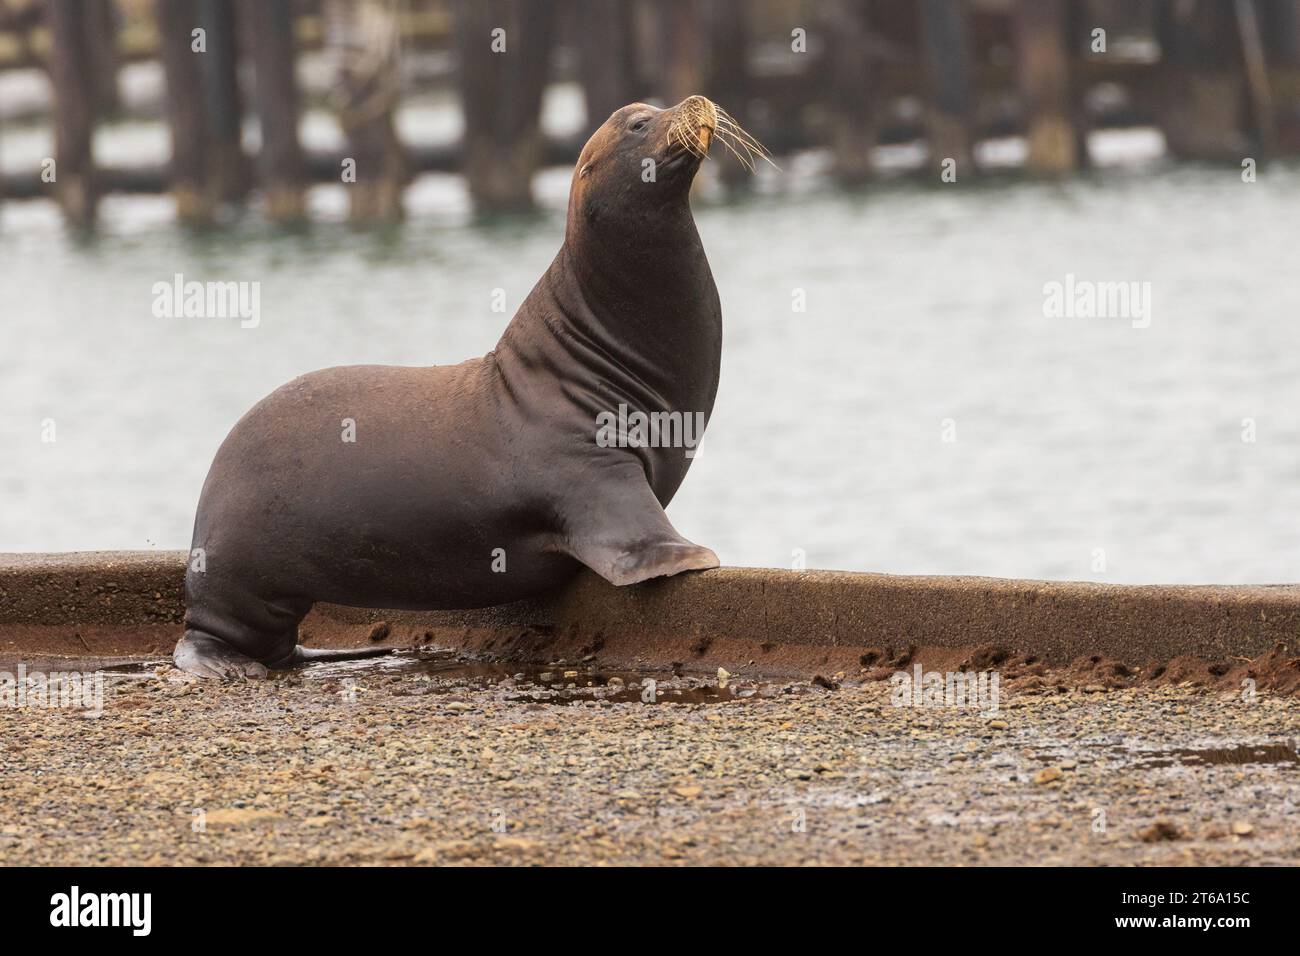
pixel 642 157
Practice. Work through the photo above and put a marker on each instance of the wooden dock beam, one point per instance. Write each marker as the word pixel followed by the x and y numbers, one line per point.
pixel 101 37
pixel 504 46
pixel 182 66
pixel 72 73
pixel 681 49
pixel 729 77
pixel 365 34
pixel 946 44
pixel 1202 88
pixel 1044 78
pixel 605 37
pixel 851 91
pixel 229 172
pixel 268 29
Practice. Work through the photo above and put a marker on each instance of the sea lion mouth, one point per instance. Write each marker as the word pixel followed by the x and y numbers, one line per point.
pixel 697 121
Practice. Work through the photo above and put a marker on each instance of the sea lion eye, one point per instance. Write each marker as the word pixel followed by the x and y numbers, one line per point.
pixel 639 125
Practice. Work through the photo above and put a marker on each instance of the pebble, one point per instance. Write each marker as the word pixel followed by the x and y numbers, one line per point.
pixel 1047 775
pixel 290 773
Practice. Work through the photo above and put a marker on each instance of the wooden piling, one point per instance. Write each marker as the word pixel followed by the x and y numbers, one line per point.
pixel 729 81
pixel 1280 25
pixel 1044 79
pixel 1262 120
pixel 851 72
pixel 177 19
pixel 605 36
pixel 681 49
pixel 1201 80
pixel 1081 17
pixel 1224 88
pixel 364 35
pixel 228 167
pixel 946 55
pixel 504 48
pixel 268 32
pixel 72 76
pixel 101 27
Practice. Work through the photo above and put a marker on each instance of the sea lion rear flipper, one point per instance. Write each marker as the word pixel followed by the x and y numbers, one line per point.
pixel 626 537
pixel 206 656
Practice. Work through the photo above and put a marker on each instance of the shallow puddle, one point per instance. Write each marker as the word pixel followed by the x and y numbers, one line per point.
pixel 428 671
pixel 88 665
pixel 1213 756
pixel 441 672
pixel 1151 759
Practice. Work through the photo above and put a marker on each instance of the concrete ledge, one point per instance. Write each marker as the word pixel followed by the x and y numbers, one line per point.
pixel 131 604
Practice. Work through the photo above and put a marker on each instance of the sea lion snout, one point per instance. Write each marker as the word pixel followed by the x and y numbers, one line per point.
pixel 692 124
pixel 697 121
pixel 638 138
pixel 700 116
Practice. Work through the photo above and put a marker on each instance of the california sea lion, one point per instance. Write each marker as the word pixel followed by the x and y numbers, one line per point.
pixel 454 471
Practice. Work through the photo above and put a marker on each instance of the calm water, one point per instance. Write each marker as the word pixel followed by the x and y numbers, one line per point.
pixel 923 304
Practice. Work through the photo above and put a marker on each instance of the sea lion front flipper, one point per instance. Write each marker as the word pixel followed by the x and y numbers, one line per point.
pixel 625 537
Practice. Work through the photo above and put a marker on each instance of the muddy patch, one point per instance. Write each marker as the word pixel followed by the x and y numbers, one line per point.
pixel 1277 672
pixel 1242 755
pixel 125 666
pixel 559 682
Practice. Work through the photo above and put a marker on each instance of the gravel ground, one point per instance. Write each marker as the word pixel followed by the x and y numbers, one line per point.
pixel 410 761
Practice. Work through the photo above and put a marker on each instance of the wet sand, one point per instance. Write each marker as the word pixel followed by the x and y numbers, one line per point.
pixel 433 761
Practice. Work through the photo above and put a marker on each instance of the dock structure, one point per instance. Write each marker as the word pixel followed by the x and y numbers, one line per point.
pixel 131 604
pixel 71 66
pixel 1219 78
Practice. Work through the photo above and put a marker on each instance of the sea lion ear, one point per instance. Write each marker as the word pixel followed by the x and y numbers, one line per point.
pixel 586 168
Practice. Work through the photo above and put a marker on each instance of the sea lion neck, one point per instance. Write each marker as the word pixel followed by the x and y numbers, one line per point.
pixel 646 290
pixel 630 243
pixel 649 260
pixel 634 320
pixel 627 312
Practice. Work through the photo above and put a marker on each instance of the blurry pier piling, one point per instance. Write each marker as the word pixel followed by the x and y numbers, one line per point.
pixel 1219 78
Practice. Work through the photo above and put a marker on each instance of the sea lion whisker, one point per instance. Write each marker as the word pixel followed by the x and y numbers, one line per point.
pixel 739 148
pixel 689 137
pixel 756 148
pixel 681 132
pixel 728 123
pixel 743 160
pixel 738 137
pixel 754 154
pixel 698 142
pixel 740 133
